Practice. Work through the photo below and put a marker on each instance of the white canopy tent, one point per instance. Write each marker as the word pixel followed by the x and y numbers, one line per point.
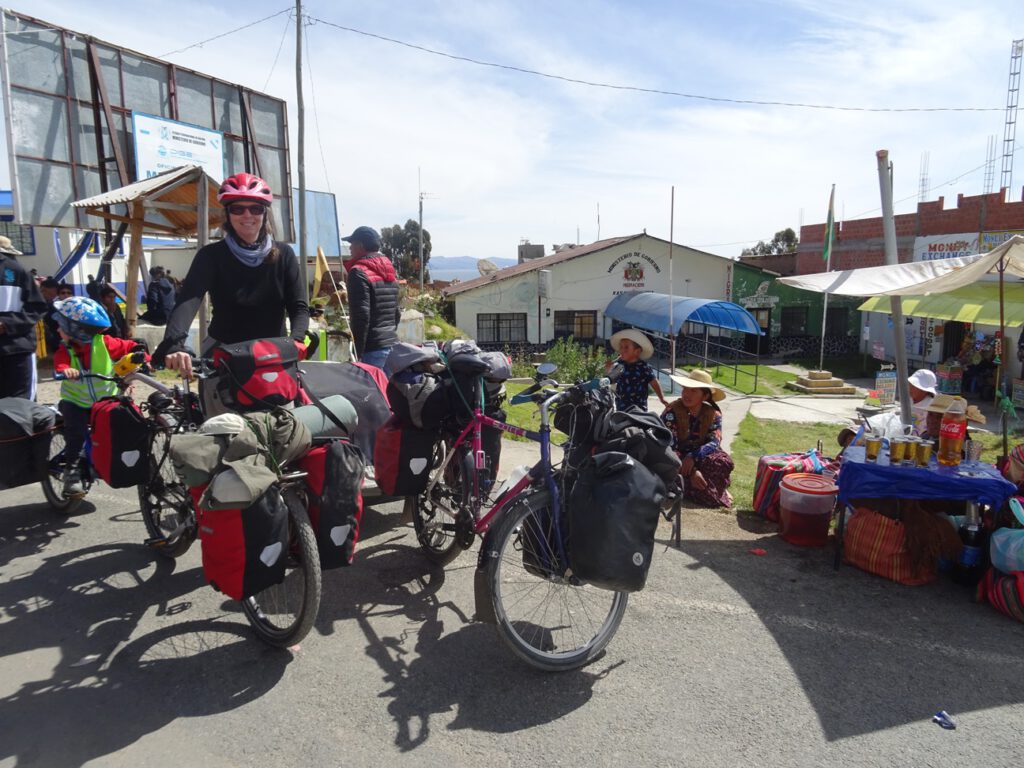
pixel 924 278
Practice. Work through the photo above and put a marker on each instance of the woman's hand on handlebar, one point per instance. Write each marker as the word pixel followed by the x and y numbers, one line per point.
pixel 181 362
pixel 70 373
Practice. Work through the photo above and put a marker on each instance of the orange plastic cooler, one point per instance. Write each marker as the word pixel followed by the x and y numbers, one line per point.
pixel 806 506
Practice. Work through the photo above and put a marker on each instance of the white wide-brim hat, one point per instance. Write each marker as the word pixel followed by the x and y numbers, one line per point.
pixel 698 379
pixel 637 337
pixel 924 379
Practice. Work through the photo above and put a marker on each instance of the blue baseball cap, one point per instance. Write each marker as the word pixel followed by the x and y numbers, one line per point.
pixel 368 237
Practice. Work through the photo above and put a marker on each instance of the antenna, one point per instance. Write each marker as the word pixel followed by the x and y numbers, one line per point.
pixel 1010 128
pixel 990 164
pixel 485 267
pixel 922 188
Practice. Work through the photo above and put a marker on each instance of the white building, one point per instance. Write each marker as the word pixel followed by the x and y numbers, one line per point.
pixel 566 293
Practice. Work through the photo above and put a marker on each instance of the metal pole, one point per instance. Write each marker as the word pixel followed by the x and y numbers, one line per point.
pixel 899 331
pixel 671 290
pixel 303 261
pixel 828 268
pixel 202 238
pixel 420 238
pixel 1001 371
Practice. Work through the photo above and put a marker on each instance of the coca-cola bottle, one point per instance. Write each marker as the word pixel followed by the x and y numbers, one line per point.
pixel 952 433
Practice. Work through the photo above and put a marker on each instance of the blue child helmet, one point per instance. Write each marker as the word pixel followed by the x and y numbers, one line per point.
pixel 81 318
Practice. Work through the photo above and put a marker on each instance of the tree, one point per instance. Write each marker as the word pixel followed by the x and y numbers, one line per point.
pixel 402 245
pixel 785 241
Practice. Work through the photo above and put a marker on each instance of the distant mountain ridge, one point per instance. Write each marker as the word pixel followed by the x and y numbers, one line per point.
pixel 461 267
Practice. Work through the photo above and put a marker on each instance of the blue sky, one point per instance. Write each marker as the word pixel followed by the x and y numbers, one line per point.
pixel 505 155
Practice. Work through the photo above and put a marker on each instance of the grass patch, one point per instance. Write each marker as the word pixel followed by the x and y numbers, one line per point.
pixel 853 366
pixel 758 437
pixel 436 328
pixel 770 381
pixel 526 415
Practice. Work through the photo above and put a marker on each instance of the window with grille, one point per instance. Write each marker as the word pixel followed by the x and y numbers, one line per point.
pixel 794 321
pixel 501 327
pixel 582 326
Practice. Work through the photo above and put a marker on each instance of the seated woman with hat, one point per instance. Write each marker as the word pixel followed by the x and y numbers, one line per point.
pixel 935 410
pixel 631 385
pixel 696 424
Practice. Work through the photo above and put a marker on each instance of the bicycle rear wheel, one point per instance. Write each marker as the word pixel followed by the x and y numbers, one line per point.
pixel 436 513
pixel 283 614
pixel 545 618
pixel 53 482
pixel 166 503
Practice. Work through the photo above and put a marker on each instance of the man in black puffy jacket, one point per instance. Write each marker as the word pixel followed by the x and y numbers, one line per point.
pixel 372 296
pixel 21 305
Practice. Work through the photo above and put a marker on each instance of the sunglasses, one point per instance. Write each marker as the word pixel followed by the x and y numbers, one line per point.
pixel 255 210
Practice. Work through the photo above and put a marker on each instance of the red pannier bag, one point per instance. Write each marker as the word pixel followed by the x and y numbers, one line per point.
pixel 244 550
pixel 402 458
pixel 770 471
pixel 258 375
pixel 121 439
pixel 334 476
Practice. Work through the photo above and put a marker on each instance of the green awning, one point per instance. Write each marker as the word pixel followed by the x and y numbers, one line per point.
pixel 977 303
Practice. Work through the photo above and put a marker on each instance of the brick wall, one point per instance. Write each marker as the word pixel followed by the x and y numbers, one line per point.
pixel 860 243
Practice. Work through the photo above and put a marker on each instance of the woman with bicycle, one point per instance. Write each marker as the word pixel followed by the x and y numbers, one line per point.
pixel 84 350
pixel 253 280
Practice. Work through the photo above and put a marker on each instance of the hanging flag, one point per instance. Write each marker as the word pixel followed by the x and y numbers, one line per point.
pixel 319 272
pixel 830 226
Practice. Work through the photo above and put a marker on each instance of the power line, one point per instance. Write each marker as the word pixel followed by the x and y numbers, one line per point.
pixel 224 34
pixel 280 45
pixel 316 113
pixel 657 91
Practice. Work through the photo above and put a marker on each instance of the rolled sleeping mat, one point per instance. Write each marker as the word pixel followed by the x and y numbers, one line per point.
pixel 320 425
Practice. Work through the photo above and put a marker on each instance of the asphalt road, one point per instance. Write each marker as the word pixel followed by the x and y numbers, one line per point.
pixel 110 656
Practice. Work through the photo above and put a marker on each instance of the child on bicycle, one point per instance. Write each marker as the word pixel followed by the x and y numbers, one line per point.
pixel 84 349
pixel 632 383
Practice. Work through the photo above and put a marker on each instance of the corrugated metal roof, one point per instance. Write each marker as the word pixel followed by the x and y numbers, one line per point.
pixel 178 185
pixel 651 312
pixel 532 264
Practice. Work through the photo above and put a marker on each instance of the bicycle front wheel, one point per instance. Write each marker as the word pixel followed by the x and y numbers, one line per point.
pixel 166 503
pixel 546 618
pixel 283 614
pixel 436 512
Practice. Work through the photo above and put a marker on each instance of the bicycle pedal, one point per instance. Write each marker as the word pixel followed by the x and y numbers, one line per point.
pixel 155 543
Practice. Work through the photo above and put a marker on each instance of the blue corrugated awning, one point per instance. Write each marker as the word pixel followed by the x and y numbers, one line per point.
pixel 651 312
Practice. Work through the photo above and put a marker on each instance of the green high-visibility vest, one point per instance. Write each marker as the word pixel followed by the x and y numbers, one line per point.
pixel 84 392
pixel 321 351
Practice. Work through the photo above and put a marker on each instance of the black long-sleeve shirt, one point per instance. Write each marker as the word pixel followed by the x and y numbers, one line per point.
pixel 248 302
pixel 21 305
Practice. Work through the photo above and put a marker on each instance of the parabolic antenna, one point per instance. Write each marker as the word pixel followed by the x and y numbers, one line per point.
pixel 486 267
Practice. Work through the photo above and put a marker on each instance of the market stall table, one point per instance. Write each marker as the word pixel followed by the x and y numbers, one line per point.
pixel 860 479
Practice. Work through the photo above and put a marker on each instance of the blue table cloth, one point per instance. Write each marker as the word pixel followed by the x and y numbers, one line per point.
pixel 861 480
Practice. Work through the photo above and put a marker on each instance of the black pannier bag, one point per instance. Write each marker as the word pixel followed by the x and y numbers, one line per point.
pixel 244 550
pixel 418 398
pixel 25 432
pixel 335 479
pixel 642 435
pixel 257 375
pixel 121 439
pixel 613 514
pixel 402 458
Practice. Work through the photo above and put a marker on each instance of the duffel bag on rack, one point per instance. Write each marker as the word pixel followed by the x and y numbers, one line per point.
pixel 121 439
pixel 402 456
pixel 613 514
pixel 244 550
pixel 25 432
pixel 334 476
pixel 257 375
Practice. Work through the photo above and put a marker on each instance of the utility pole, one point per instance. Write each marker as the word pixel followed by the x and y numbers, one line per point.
pixel 303 261
pixel 420 240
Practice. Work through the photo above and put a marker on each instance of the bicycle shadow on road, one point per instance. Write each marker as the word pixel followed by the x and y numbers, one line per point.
pixel 75 691
pixel 445 662
pixel 27 529
pixel 869 654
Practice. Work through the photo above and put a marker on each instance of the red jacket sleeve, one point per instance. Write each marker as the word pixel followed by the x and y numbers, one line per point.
pixel 117 348
pixel 61 359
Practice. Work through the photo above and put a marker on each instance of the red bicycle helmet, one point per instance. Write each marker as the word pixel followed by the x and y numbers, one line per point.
pixel 244 186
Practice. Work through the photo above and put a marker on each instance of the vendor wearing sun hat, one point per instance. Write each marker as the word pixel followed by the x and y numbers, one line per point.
pixel 937 407
pixel 696 424
pixel 923 386
pixel 632 383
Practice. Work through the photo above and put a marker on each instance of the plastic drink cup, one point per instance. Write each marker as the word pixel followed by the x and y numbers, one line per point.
pixel 924 453
pixel 910 452
pixel 897 450
pixel 872 445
